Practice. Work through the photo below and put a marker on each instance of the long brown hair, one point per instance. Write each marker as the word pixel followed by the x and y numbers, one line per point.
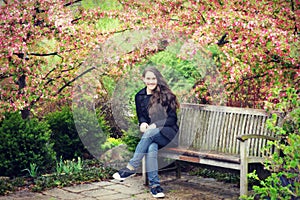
pixel 162 94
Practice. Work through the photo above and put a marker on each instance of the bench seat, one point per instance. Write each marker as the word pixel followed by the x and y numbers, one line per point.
pixel 196 156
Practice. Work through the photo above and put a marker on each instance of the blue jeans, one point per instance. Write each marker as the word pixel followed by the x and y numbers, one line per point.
pixel 148 146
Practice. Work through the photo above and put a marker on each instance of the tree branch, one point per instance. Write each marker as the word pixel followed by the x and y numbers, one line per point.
pixel 71 3
pixel 75 20
pixel 4 76
pixel 52 79
pixel 294 17
pixel 49 72
pixel 203 18
pixel 121 31
pixel 74 79
pixel 44 54
pixel 66 70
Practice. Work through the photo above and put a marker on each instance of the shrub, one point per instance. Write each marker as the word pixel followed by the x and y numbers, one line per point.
pixel 284 164
pixel 92 129
pixel 23 142
pixel 77 133
pixel 131 137
pixel 67 143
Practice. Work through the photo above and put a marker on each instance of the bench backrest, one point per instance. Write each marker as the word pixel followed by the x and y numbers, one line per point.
pixel 215 128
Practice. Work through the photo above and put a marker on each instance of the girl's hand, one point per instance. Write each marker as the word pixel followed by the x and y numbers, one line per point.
pixel 143 127
pixel 152 126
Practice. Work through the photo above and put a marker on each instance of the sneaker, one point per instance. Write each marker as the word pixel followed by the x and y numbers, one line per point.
pixel 157 192
pixel 123 174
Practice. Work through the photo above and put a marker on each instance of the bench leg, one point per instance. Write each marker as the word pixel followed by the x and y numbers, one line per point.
pixel 244 169
pixel 144 172
pixel 178 169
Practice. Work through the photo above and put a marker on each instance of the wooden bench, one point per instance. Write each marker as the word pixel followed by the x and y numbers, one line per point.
pixel 226 137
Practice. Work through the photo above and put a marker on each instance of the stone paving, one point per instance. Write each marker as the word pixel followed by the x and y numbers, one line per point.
pixel 188 187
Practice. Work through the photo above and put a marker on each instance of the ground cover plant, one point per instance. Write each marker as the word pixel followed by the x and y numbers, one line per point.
pixel 67 173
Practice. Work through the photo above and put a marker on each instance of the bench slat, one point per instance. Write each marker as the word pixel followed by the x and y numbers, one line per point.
pixel 202 154
pixel 235 131
pixel 247 111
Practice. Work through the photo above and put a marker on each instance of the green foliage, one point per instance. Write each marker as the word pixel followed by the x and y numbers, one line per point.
pixel 7 184
pixel 105 128
pixel 78 132
pixel 284 164
pixel 69 166
pixel 33 170
pixel 103 4
pixel 92 129
pixel 131 137
pixel 110 143
pixel 109 84
pixel 67 143
pixel 180 74
pixel 285 100
pixel 220 176
pixel 82 172
pixel 23 142
pixel 107 24
pixel 91 171
pixel 193 79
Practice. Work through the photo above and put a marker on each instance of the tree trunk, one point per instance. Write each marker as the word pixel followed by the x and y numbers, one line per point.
pixel 25 113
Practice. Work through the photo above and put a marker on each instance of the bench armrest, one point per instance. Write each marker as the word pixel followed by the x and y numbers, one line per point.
pixel 243 138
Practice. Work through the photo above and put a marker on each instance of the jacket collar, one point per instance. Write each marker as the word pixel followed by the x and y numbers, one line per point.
pixel 143 91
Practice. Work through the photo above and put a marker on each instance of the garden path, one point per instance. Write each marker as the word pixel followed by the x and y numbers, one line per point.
pixel 188 187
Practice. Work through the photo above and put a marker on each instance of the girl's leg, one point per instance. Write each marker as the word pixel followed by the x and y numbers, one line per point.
pixel 152 165
pixel 152 171
pixel 149 137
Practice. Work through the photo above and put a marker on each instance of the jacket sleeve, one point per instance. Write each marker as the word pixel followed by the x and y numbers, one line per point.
pixel 139 112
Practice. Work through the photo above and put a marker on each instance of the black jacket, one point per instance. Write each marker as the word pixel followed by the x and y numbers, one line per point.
pixel 167 124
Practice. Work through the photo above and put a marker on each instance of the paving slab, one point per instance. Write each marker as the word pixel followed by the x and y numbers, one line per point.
pixel 101 192
pixel 118 196
pixel 58 193
pixel 81 188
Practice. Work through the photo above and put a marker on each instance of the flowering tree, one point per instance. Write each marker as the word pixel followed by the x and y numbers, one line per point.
pixel 43 43
pixel 261 49
pixel 255 44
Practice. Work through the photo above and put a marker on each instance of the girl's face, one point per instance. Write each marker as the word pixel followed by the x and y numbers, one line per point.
pixel 150 81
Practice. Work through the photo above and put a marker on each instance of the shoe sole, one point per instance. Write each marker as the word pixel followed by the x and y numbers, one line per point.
pixel 118 177
pixel 158 195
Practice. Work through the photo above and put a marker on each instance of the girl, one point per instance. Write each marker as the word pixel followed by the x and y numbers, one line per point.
pixel 156 107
